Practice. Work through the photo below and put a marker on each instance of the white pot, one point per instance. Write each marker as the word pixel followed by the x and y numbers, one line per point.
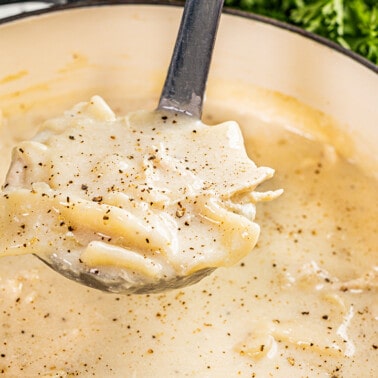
pixel 51 60
pixel 125 49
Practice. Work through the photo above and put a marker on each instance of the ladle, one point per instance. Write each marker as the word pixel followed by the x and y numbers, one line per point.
pixel 183 92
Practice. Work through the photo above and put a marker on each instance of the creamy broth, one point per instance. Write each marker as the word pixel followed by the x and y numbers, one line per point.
pixel 133 200
pixel 303 303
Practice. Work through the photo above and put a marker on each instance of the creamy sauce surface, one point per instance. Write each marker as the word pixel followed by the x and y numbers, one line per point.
pixel 303 304
pixel 131 200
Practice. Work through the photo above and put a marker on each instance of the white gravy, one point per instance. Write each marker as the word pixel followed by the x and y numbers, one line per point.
pixel 302 304
pixel 143 198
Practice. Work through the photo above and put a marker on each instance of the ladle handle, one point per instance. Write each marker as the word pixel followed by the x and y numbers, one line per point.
pixel 185 83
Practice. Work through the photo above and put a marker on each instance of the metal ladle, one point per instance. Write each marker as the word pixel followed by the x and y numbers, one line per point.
pixel 183 92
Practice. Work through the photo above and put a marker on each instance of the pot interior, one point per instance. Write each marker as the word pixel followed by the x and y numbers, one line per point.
pixel 122 51
pixel 302 99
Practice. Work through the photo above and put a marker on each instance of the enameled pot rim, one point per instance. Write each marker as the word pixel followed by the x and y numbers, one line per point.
pixel 255 17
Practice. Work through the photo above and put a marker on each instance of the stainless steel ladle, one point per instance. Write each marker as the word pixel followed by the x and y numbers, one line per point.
pixel 183 92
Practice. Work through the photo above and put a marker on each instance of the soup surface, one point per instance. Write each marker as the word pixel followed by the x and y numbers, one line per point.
pixel 132 201
pixel 302 304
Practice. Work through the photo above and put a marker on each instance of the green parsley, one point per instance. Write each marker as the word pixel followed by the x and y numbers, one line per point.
pixel 352 24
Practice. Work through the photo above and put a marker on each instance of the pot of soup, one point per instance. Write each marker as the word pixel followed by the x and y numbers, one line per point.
pixel 303 302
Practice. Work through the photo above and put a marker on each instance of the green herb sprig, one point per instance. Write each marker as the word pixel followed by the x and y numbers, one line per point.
pixel 351 23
